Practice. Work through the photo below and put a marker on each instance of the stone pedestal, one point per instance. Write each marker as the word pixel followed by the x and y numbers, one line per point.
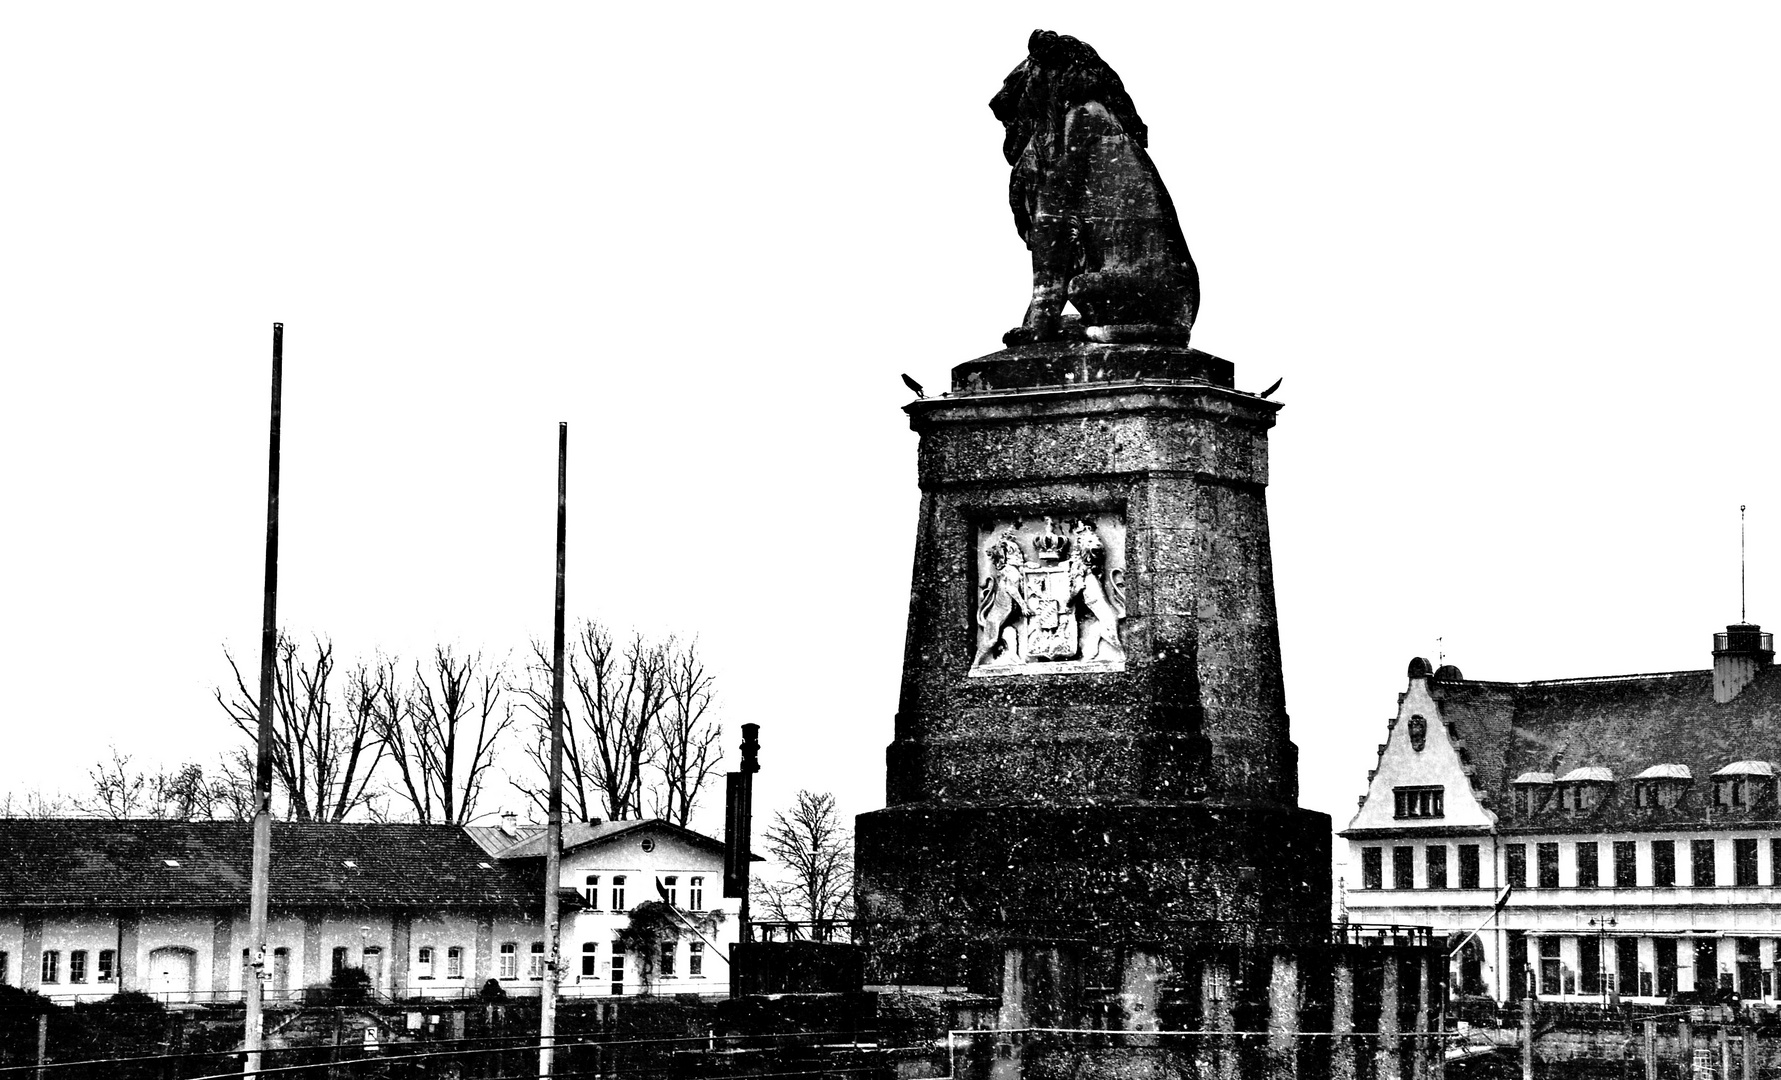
pixel 1092 749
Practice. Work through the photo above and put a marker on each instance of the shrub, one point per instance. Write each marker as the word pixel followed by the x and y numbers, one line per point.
pixel 350 986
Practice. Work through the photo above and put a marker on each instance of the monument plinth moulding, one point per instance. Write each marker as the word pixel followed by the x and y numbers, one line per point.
pixel 1092 781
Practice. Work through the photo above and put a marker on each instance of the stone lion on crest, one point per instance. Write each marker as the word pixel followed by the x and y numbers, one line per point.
pixel 1089 203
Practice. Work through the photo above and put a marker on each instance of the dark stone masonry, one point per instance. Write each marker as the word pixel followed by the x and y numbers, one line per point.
pixel 1141 798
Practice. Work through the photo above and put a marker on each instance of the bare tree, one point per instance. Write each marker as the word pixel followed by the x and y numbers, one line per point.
pixel 182 793
pixel 116 790
pixel 31 804
pixel 611 704
pixel 441 733
pixel 686 739
pixel 324 763
pixel 817 855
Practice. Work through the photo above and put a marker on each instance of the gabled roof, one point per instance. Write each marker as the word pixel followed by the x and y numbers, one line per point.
pixel 87 863
pixel 1624 724
pixel 494 838
pixel 580 834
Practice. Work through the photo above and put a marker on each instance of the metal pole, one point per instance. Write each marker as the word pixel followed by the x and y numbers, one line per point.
pixel 553 830
pixel 262 854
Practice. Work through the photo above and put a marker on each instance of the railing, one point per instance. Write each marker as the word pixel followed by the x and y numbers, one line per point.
pixel 1382 934
pixel 1744 640
pixel 828 930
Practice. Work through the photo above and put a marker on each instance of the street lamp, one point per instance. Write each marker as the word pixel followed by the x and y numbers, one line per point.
pixel 1602 924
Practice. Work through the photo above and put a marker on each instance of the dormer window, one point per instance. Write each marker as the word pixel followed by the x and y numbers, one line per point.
pixel 1531 791
pixel 1740 785
pixel 1662 787
pixel 1581 791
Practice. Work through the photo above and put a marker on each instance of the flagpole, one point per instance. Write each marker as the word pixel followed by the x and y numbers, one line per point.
pixel 553 830
pixel 260 872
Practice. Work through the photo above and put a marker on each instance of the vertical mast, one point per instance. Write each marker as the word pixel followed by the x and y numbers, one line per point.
pixel 1743 613
pixel 262 852
pixel 553 830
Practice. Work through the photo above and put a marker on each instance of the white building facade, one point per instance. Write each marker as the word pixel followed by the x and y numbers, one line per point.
pixel 89 908
pixel 1631 821
pixel 609 871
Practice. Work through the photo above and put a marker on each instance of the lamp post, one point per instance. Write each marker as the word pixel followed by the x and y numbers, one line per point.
pixel 1602 923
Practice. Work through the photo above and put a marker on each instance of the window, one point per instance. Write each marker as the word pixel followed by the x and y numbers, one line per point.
pixel 695 958
pixel 339 958
pixel 1775 862
pixel 1468 866
pixel 107 966
pixel 1589 865
pixel 1732 792
pixel 1549 966
pixel 1520 979
pixel 1700 858
pixel 1626 966
pixel 1744 861
pixel 77 966
pixel 1515 865
pixel 671 890
pixel 1749 968
pixel 618 966
pixel 1663 863
pixel 695 895
pixel 591 890
pixel 618 892
pixel 454 963
pixel 5 967
pixel 1417 802
pixel 1589 964
pixel 1403 868
pixel 1665 950
pixel 1372 872
pixel 535 963
pixel 423 962
pixel 1706 963
pixel 1626 864
pixel 1436 858
pixel 1547 856
pixel 590 959
pixel 669 950
pixel 52 966
pixel 509 960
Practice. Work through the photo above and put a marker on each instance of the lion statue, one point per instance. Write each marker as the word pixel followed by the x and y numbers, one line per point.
pixel 1089 204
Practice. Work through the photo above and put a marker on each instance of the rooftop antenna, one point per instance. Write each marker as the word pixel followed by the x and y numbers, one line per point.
pixel 1741 608
pixel 1440 652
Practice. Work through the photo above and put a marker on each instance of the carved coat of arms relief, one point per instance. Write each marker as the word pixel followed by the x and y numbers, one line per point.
pixel 1050 595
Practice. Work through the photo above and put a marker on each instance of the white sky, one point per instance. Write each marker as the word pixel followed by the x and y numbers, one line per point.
pixel 1515 262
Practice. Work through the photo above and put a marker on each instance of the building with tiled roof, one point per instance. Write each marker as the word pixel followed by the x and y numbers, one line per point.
pixel 89 907
pixel 1631 820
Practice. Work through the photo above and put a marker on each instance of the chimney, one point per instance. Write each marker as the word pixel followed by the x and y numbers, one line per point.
pixel 510 823
pixel 1738 655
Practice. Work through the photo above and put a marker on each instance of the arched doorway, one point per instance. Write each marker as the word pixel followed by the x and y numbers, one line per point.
pixel 171 970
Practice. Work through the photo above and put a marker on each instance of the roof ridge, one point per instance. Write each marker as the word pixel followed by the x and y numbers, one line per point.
pixel 1581 679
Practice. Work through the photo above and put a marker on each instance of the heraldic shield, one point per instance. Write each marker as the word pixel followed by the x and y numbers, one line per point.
pixel 1050 595
pixel 1049 630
